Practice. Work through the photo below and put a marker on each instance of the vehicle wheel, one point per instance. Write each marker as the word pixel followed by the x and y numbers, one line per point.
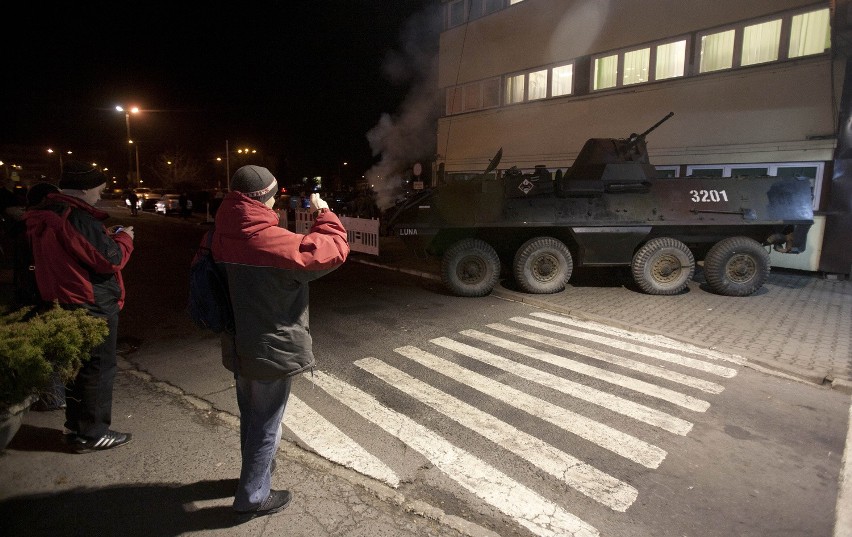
pixel 663 266
pixel 542 265
pixel 736 266
pixel 470 267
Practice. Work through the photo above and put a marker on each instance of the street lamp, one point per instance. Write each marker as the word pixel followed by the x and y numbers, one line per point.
pixel 245 151
pixel 127 112
pixel 49 150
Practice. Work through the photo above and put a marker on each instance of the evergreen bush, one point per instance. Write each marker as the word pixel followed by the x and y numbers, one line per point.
pixel 36 344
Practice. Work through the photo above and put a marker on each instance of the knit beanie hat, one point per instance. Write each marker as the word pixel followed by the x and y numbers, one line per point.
pixel 255 182
pixel 38 192
pixel 80 176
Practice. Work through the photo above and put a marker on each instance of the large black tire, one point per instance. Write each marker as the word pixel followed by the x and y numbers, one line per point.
pixel 736 266
pixel 542 265
pixel 470 267
pixel 663 266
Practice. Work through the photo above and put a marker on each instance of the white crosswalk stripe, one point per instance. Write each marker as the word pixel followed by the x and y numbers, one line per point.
pixel 651 339
pixel 610 402
pixel 686 401
pixel 526 506
pixel 332 443
pixel 599 357
pixel 604 488
pixel 680 378
pixel 605 436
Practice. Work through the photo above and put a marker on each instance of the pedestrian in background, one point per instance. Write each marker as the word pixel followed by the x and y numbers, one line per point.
pixel 268 269
pixel 78 263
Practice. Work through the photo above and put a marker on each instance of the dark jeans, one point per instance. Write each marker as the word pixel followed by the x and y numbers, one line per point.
pixel 89 396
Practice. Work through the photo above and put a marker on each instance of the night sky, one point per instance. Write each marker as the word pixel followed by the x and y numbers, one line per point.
pixel 305 80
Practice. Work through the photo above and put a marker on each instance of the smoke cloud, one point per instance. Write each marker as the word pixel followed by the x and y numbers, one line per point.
pixel 408 135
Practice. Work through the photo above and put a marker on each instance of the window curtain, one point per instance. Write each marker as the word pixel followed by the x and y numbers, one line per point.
pixel 810 34
pixel 717 51
pixel 562 80
pixel 606 72
pixel 636 66
pixel 760 42
pixel 671 59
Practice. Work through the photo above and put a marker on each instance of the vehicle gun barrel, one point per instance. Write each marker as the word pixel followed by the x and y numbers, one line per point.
pixel 636 137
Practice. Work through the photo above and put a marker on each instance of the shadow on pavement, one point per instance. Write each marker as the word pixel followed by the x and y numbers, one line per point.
pixel 132 510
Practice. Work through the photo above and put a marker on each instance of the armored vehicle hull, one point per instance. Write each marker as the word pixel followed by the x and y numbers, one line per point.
pixel 608 210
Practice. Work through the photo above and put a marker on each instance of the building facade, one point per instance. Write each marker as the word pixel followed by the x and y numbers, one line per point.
pixel 757 88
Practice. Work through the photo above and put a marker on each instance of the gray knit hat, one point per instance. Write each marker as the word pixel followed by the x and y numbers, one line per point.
pixel 80 176
pixel 255 182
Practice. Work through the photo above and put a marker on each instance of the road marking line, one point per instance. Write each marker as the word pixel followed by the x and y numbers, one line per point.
pixel 677 398
pixel 333 444
pixel 617 404
pixel 604 436
pixel 526 506
pixel 642 367
pixel 583 477
pixel 658 340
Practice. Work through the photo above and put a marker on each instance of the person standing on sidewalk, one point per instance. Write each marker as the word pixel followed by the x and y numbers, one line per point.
pixel 78 263
pixel 268 269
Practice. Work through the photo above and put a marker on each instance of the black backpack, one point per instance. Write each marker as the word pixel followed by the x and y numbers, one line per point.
pixel 209 301
pixel 24 279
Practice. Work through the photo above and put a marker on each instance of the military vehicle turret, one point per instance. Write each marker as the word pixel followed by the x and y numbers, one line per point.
pixel 608 209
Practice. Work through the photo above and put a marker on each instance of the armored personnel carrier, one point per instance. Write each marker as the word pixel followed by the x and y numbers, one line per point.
pixel 608 209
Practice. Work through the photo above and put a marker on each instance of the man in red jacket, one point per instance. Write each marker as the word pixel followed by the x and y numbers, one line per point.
pixel 268 269
pixel 78 263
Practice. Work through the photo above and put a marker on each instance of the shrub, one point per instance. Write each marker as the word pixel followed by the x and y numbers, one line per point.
pixel 36 344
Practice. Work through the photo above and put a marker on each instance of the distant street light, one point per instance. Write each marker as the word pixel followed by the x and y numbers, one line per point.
pixel 244 151
pixel 51 151
pixel 127 112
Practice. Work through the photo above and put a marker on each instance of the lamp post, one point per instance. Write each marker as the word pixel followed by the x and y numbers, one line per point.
pixel 127 112
pixel 49 150
pixel 244 151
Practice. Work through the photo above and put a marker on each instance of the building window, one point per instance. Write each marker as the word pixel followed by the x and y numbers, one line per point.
pixel 606 72
pixel 538 85
pixel 667 171
pixel 515 89
pixel 493 5
pixel 671 59
pixel 455 13
pixel 562 80
pixel 760 42
pixel 717 51
pixel 811 171
pixel 491 93
pixel 472 97
pixel 454 101
pixel 810 34
pixel 636 66
pixel 513 2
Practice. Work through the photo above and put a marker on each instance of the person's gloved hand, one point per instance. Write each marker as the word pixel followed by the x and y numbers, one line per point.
pixel 317 203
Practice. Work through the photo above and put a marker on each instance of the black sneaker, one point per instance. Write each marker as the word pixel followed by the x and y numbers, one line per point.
pixel 277 501
pixel 110 439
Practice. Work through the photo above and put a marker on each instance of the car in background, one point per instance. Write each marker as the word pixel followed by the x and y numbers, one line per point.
pixel 147 198
pixel 170 204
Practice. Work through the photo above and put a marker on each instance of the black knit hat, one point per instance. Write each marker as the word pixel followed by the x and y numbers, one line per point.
pixel 38 192
pixel 255 182
pixel 80 176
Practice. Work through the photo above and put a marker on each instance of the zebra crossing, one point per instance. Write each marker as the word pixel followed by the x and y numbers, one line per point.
pixel 604 361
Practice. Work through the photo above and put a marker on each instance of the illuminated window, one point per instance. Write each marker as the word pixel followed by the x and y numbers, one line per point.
pixel 636 66
pixel 562 80
pixel 810 33
pixel 671 58
pixel 717 51
pixel 606 72
pixel 514 89
pixel 513 2
pixel 760 42
pixel 538 85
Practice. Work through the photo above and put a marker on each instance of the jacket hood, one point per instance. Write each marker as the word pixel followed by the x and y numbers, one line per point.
pixel 241 216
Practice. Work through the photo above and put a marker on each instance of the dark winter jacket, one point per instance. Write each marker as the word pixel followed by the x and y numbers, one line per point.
pixel 77 260
pixel 268 269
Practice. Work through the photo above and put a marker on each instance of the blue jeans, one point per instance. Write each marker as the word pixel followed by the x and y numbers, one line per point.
pixel 262 404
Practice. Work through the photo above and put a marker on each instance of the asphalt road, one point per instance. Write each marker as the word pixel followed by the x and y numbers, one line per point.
pixel 579 430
